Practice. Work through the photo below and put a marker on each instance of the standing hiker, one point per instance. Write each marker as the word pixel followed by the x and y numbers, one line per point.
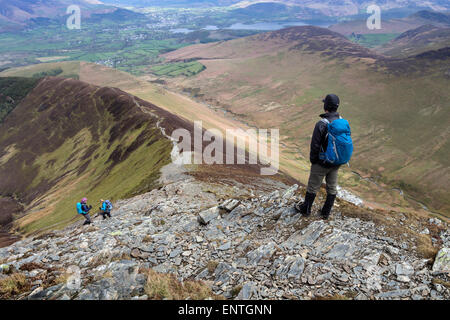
pixel 83 208
pixel 331 146
pixel 106 208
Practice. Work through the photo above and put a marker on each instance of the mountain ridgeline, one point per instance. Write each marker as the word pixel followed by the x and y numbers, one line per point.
pixel 67 139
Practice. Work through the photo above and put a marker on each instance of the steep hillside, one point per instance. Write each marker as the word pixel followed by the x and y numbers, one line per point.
pixel 67 139
pixel 93 141
pixel 396 107
pixel 12 91
pixel 417 41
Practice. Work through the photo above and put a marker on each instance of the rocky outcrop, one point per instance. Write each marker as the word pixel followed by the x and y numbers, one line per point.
pixel 254 248
pixel 442 261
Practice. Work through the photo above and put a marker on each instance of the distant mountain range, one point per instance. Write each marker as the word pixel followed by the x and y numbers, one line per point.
pixel 328 7
pixel 420 18
pixel 17 13
pixel 22 10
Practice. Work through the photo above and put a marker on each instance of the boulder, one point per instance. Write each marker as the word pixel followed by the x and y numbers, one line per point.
pixel 225 246
pixel 206 216
pixel 290 192
pixel 404 269
pixel 139 253
pixel 223 272
pixel 292 267
pixel 176 252
pixel 442 261
pixel 394 294
pixel 261 253
pixel 229 205
pixel 249 291
pixel 84 245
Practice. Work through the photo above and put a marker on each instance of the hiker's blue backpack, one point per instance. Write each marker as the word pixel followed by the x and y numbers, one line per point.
pixel 108 205
pixel 340 144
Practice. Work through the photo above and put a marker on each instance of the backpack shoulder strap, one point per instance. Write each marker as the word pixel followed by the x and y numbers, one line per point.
pixel 327 122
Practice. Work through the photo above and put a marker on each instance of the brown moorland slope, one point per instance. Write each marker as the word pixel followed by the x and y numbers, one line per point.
pixel 417 41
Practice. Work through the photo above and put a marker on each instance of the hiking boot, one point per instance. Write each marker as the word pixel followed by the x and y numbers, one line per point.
pixel 326 209
pixel 305 207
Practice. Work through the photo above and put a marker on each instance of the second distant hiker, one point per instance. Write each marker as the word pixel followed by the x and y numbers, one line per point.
pixel 106 208
pixel 83 208
pixel 331 146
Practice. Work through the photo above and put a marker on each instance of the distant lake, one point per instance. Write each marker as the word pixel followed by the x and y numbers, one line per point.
pixel 265 26
pixel 262 26
pixel 181 30
pixel 210 28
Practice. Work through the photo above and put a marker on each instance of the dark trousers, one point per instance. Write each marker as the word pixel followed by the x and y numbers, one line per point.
pixel 105 213
pixel 88 219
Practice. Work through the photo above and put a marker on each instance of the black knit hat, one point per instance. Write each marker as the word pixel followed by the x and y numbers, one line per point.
pixel 331 102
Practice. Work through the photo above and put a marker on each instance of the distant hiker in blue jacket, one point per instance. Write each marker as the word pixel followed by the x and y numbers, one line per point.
pixel 83 208
pixel 106 208
pixel 331 146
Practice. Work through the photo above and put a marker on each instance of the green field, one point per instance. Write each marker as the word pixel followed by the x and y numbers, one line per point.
pixel 127 48
pixel 133 43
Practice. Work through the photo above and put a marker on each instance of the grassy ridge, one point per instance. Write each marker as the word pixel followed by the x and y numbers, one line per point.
pixel 128 48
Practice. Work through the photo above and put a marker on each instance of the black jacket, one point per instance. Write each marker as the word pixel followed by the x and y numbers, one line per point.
pixel 320 140
pixel 86 208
